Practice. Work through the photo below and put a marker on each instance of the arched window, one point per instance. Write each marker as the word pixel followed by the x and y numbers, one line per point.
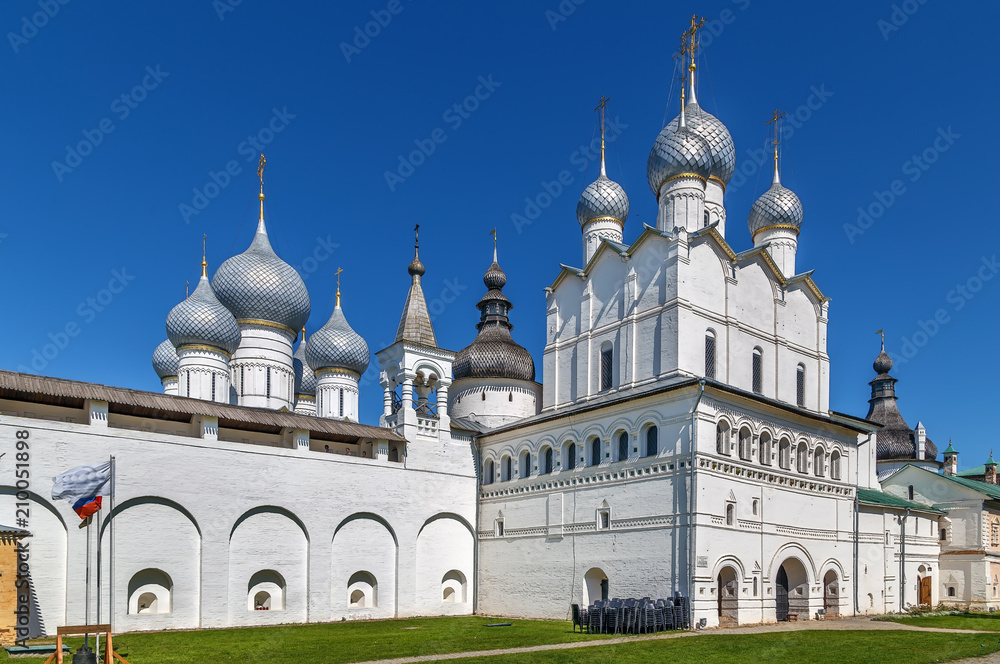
pixel 706 220
pixel 951 591
pixel 266 591
pixel 623 446
pixel 730 514
pixel 819 456
pixel 785 454
pixel 709 354
pixel 595 452
pixel 755 506
pixel 362 591
pixel 802 458
pixel 835 465
pixel 607 365
pixel 524 465
pixel 758 371
pixel 745 444
pixel 453 588
pixel 545 461
pixel 800 385
pixel 505 469
pixel 488 472
pixel 652 441
pixel 722 437
pixel 149 591
pixel 569 458
pixel 764 448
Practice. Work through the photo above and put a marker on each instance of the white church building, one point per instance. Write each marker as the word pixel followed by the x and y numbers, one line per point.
pixel 680 441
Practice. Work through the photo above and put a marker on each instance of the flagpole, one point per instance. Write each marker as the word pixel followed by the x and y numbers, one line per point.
pixel 111 553
pixel 97 636
pixel 86 610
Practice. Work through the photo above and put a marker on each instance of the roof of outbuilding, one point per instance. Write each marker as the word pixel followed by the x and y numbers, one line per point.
pixel 881 499
pixel 125 401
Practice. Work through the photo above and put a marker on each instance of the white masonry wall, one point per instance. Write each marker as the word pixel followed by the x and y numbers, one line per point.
pixel 212 516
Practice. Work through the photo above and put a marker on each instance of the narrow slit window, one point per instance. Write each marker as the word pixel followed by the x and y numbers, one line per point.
pixel 800 386
pixel 709 355
pixel 607 364
pixel 758 371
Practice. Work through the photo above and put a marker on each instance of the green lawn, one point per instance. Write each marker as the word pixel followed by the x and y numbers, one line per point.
pixel 334 643
pixel 337 643
pixel 989 622
pixel 806 647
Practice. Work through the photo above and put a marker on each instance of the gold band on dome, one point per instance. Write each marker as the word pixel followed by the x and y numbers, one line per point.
pixel 721 183
pixel 267 323
pixel 204 347
pixel 305 397
pixel 677 177
pixel 604 219
pixel 777 226
pixel 338 372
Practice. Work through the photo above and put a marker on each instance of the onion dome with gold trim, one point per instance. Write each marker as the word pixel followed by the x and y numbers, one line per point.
pixel 201 320
pixel 494 353
pixel 709 127
pixel 678 151
pixel 257 285
pixel 165 360
pixel 603 199
pixel 778 207
pixel 337 346
pixel 305 380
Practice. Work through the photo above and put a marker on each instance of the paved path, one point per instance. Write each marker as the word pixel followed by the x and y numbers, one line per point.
pixel 835 625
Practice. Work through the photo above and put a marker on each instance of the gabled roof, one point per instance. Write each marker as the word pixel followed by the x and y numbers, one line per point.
pixel 709 232
pixel 881 499
pixel 990 490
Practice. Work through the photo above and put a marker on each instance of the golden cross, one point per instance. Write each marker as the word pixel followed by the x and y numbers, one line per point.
pixel 601 106
pixel 692 35
pixel 339 270
pixel 777 115
pixel 203 237
pixel 260 169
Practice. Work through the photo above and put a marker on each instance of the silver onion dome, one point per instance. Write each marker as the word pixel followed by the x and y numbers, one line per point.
pixel 257 285
pixel 778 207
pixel 337 346
pixel 602 199
pixel 305 380
pixel 202 320
pixel 165 360
pixel 676 151
pixel 719 140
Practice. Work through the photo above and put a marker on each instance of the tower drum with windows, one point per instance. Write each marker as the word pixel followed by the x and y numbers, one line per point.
pixel 494 376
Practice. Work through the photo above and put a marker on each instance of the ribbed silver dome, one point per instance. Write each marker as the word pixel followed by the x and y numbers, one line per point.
pixel 602 198
pixel 677 151
pixel 712 130
pixel 257 285
pixel 494 354
pixel 337 346
pixel 779 207
pixel 202 320
pixel 165 360
pixel 305 380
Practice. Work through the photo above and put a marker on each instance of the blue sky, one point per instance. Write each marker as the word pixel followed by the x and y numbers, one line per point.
pixel 164 97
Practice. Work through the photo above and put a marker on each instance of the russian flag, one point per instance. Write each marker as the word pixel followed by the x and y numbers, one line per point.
pixel 87 507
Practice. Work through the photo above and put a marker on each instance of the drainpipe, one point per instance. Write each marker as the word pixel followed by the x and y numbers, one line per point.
pixel 902 559
pixel 857 525
pixel 691 506
pixel 475 530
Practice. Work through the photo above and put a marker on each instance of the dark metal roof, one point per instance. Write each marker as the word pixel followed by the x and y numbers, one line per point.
pixel 72 394
pixel 896 439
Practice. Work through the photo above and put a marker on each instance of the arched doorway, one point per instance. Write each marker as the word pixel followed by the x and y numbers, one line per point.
pixel 595 585
pixel 791 590
pixel 831 594
pixel 923 585
pixel 727 591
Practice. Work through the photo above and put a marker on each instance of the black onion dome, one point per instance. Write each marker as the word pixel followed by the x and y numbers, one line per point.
pixel 896 439
pixel 494 353
pixel 165 360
